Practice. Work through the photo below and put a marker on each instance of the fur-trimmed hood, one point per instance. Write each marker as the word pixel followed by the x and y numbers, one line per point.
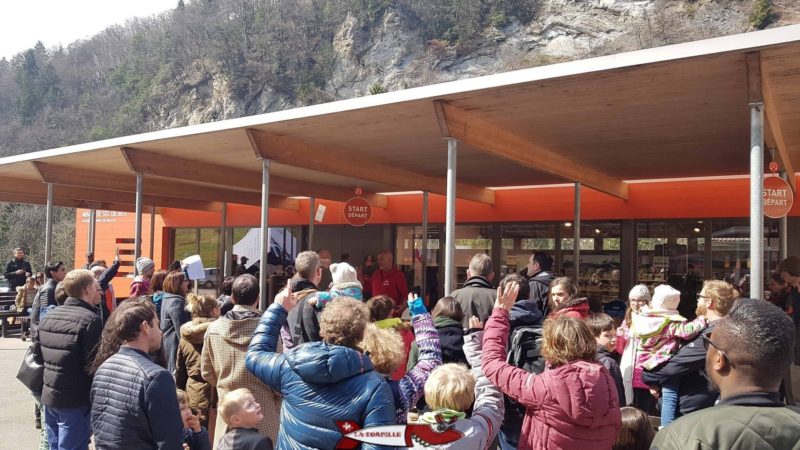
pixel 195 331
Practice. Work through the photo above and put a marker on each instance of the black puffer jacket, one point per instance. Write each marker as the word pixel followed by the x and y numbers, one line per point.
pixel 134 404
pixel 68 335
pixel 45 296
pixel 540 288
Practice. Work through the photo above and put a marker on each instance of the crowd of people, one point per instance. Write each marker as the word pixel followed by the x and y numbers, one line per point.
pixel 529 364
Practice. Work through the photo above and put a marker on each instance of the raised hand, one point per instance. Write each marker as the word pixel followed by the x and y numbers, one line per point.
pixel 506 297
pixel 286 298
pixel 415 305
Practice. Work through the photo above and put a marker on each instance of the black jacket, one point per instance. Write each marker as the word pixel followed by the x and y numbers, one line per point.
pixel 606 358
pixel 688 367
pixel 68 336
pixel 303 320
pixel 134 405
pixel 540 287
pixel 45 296
pixel 13 279
pixel 244 439
pixel 476 299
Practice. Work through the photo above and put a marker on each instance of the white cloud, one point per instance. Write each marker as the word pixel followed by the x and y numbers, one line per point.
pixel 54 22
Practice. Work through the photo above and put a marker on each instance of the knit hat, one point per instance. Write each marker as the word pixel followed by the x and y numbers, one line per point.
pixel 665 298
pixel 143 264
pixel 640 292
pixel 343 273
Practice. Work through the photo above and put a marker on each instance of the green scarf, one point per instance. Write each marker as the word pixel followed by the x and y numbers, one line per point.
pixel 392 322
pixel 449 415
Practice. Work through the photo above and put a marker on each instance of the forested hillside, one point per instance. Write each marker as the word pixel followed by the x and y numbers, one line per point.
pixel 209 60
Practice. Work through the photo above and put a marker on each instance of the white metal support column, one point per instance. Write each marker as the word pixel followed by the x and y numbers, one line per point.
pixel 152 232
pixel 576 230
pixel 223 244
pixel 48 228
pixel 424 251
pixel 92 230
pixel 450 219
pixel 756 200
pixel 137 238
pixel 263 245
pixel 783 230
pixel 312 206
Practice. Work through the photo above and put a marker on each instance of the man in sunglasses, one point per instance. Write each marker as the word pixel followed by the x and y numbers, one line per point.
pixel 747 354
pixel 687 367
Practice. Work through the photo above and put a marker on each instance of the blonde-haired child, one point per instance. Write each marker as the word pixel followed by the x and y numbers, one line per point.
pixel 240 411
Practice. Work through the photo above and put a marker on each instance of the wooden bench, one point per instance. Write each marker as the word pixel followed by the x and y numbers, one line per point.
pixel 7 311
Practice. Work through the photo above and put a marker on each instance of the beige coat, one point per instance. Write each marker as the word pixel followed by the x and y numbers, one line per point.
pixel 187 366
pixel 223 366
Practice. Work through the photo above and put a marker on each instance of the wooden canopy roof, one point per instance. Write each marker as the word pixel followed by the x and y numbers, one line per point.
pixel 674 111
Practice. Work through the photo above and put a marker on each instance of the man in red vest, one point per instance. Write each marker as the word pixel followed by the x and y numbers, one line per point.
pixel 390 281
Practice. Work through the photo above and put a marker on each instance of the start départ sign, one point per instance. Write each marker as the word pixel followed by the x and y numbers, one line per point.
pixel 357 211
pixel 778 197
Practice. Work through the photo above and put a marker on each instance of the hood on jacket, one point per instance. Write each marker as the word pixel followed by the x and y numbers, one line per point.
pixel 445 322
pixel 576 305
pixel 577 405
pixel 651 323
pixel 322 363
pixel 195 331
pixel 478 281
pixel 525 312
pixel 543 276
pixel 238 325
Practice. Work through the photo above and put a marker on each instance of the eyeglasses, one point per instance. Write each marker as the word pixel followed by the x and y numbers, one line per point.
pixel 708 342
pixel 699 296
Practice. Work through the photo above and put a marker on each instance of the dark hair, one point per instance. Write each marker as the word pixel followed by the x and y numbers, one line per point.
pixel 544 260
pixel 173 283
pixel 244 290
pixel 636 433
pixel 758 338
pixel 776 277
pixel 123 326
pixel 600 322
pixel 157 281
pixel 380 307
pixel 524 288
pixel 176 265
pixel 790 265
pixel 51 267
pixel 448 307
pixel 227 285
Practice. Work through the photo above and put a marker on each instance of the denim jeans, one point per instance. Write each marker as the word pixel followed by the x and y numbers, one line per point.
pixel 68 428
pixel 669 403
pixel 504 443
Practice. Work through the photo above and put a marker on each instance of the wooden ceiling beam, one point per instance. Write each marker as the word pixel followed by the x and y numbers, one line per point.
pixel 160 165
pixel 472 130
pixel 775 124
pixel 293 152
pixel 12 197
pixel 155 186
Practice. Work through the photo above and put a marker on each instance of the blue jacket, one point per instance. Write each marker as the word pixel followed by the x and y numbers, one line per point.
pixel 320 383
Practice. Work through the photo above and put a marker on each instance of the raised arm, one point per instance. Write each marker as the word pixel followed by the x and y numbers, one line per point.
pixel 412 385
pixel 688 330
pixel 262 359
pixel 489 407
pixel 108 275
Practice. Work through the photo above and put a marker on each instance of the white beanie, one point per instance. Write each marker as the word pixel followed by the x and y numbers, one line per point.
pixel 665 298
pixel 142 264
pixel 343 273
pixel 640 292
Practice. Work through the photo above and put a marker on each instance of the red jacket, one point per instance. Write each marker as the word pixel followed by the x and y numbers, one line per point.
pixel 576 308
pixel 392 283
pixel 574 406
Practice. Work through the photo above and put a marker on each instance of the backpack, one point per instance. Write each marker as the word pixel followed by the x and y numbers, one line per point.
pixel 524 352
pixel 524 347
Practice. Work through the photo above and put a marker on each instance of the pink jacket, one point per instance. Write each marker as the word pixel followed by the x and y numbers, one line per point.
pixel 660 335
pixel 574 406
pixel 624 334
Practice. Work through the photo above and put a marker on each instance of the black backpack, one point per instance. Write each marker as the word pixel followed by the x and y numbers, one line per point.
pixel 524 351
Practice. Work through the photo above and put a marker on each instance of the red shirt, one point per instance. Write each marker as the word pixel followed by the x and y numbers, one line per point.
pixel 393 284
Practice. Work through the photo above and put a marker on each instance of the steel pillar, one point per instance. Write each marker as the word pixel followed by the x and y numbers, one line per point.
pixel 152 232
pixel 263 245
pixel 223 245
pixel 424 250
pixel 311 207
pixel 450 219
pixel 137 238
pixel 48 227
pixel 576 232
pixel 92 230
pixel 756 200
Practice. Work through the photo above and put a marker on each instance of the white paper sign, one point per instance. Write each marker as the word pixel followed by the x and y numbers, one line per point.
pixel 320 213
pixel 194 267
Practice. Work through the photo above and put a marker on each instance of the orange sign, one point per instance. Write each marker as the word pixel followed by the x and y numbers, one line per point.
pixel 357 211
pixel 778 197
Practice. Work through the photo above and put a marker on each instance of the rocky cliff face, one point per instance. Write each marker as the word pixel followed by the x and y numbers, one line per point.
pixel 395 56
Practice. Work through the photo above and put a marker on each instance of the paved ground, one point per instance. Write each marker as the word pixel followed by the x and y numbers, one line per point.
pixel 16 404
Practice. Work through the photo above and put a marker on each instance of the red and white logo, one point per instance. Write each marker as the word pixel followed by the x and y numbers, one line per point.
pixel 395 435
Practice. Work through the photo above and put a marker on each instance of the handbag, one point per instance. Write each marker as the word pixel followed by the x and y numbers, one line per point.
pixel 31 371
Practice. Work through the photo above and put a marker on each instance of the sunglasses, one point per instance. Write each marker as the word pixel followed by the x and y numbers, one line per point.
pixel 708 342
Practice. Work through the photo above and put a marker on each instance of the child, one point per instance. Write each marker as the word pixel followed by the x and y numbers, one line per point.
pixel 241 413
pixel 660 330
pixel 573 404
pixel 345 284
pixel 195 436
pixel 385 349
pixel 452 390
pixel 637 433
pixel 604 330
pixel 637 393
pixel 25 295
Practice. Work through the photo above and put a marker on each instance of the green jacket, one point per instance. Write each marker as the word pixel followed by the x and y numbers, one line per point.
pixel 750 421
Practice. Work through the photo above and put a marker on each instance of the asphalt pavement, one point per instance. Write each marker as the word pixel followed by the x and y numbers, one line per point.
pixel 17 431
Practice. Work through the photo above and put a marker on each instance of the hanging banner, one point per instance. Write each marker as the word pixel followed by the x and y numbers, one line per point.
pixel 357 211
pixel 778 197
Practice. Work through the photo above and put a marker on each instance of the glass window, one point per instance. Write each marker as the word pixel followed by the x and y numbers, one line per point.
pixel 730 248
pixel 408 253
pixel 599 274
pixel 522 240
